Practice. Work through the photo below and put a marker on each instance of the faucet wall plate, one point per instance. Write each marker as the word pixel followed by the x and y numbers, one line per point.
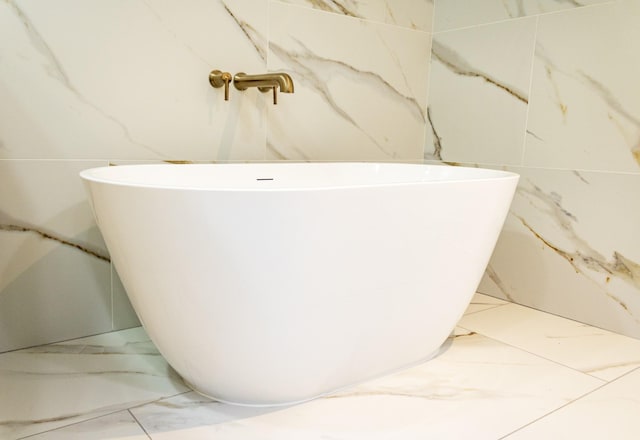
pixel 217 79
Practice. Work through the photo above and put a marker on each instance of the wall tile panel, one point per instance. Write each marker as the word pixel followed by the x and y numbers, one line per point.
pixel 570 246
pixel 54 267
pixel 585 106
pixel 360 88
pixel 479 93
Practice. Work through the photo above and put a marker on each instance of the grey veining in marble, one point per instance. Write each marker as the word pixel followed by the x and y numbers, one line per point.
pixel 414 14
pixel 583 256
pixel 479 93
pixel 360 87
pixel 55 69
pixel 567 264
pixel 458 65
pixel 436 153
pixel 251 33
pixel 491 273
pixel 97 375
pixel 307 64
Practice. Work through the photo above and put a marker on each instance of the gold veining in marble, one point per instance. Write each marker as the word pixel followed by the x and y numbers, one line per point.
pixel 250 32
pixel 51 236
pixel 55 68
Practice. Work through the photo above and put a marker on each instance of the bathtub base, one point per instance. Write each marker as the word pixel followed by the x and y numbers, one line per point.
pixel 341 389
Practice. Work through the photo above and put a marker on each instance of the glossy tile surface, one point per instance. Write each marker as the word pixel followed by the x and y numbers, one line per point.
pixel 593 351
pixel 609 412
pixel 120 425
pixel 573 260
pixel 139 93
pixel 53 261
pixel 507 370
pixel 570 244
pixel 361 88
pixel 479 93
pixel 585 113
pixel 56 385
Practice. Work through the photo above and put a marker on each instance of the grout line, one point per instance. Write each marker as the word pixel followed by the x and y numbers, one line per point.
pixel 160 399
pixel 63 341
pixel 109 413
pixel 537 15
pixel 497 165
pixel 535 354
pixel 493 306
pixel 113 315
pixel 138 422
pixel 106 414
pixel 569 403
pixel 546 312
pixel 434 10
pixel 529 93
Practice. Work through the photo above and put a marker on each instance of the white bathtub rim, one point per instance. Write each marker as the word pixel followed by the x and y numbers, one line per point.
pixel 467 174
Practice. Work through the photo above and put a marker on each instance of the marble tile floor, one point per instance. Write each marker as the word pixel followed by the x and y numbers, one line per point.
pixel 507 372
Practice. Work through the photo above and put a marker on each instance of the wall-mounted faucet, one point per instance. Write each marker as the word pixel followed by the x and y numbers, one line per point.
pixel 264 82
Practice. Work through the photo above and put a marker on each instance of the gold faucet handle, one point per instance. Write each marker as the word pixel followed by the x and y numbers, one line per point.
pixel 271 88
pixel 218 79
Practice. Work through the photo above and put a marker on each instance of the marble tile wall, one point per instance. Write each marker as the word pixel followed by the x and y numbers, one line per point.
pixel 545 88
pixel 549 89
pixel 85 84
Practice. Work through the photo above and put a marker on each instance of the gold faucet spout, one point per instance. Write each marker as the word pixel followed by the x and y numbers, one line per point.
pixel 264 82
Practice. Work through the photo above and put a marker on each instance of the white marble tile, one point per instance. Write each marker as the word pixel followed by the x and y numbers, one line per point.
pixel 191 410
pixel 452 14
pixel 51 386
pixel 496 387
pixel 481 302
pixel 120 425
pixel 54 266
pixel 610 412
pixel 570 246
pixel 134 85
pixel 593 351
pixel 585 103
pixel 479 93
pixel 360 89
pixel 414 14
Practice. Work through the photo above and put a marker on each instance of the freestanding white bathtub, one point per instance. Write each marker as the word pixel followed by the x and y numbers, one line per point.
pixel 268 284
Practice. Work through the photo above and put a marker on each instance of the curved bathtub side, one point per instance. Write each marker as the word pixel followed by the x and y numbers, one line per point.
pixel 275 297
